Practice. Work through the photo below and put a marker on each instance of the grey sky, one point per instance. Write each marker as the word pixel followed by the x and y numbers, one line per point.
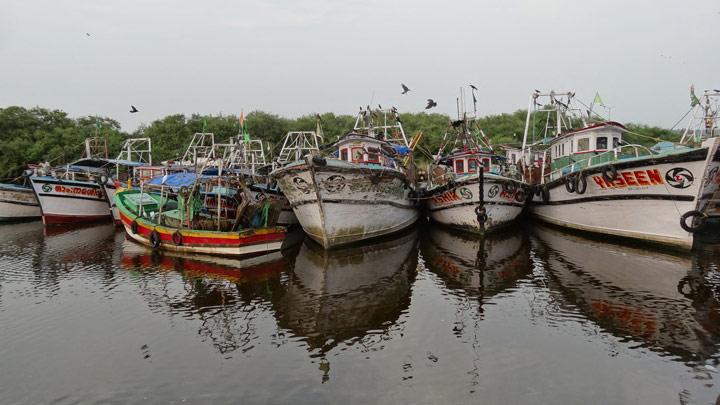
pixel 299 57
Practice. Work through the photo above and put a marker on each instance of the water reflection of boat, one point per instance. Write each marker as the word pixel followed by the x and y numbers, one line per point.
pixel 340 295
pixel 668 302
pixel 222 293
pixel 479 266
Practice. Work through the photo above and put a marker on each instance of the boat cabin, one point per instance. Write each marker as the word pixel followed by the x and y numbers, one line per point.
pixel 470 161
pixel 582 144
pixel 356 148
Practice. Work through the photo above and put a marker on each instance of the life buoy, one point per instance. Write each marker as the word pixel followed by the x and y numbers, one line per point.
pixel 609 173
pixel 545 194
pixel 580 184
pixel 569 183
pixel 696 224
pixel 134 226
pixel 177 238
pixel 155 239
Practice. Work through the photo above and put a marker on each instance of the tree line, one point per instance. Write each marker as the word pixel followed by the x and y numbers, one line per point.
pixel 34 135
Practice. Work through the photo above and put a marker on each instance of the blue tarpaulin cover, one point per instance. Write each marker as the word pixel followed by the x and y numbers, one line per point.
pixel 175 181
pixel 401 150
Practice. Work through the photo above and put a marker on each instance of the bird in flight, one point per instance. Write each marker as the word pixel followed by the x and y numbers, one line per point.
pixel 405 88
pixel 87 34
pixel 133 110
pixel 473 87
pixel 431 103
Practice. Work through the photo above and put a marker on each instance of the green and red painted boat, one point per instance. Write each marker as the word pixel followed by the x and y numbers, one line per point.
pixel 178 219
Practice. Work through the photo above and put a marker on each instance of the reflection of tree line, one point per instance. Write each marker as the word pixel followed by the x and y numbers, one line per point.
pixel 684 322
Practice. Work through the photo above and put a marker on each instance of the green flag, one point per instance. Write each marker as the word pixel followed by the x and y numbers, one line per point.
pixel 597 99
pixel 693 98
pixel 204 125
pixel 246 134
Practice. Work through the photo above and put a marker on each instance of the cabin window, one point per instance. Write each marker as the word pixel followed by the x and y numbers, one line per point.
pixel 486 165
pixel 344 154
pixel 459 166
pixel 572 146
pixel 601 142
pixel 583 144
pixel 373 158
pixel 472 165
pixel 357 154
pixel 562 150
pixel 616 142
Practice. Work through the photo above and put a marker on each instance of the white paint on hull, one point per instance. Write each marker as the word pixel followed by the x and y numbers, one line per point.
pixel 644 202
pixel 456 206
pixel 70 199
pixel 343 203
pixel 18 204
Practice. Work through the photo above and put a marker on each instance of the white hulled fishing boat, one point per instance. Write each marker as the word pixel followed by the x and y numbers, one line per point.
pixel 591 180
pixel 17 202
pixel 362 191
pixel 470 187
pixel 80 191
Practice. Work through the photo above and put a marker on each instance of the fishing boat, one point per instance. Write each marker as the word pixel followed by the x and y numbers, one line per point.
pixel 592 180
pixel 470 187
pixel 80 191
pixel 17 202
pixel 190 213
pixel 364 190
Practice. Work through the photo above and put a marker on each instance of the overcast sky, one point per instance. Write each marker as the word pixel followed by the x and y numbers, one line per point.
pixel 294 57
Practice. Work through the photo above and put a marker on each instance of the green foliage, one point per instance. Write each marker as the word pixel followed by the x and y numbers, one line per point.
pixel 37 134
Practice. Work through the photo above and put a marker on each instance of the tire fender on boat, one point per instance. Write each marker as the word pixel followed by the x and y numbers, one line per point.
pixel 481 214
pixel 580 184
pixel 510 187
pixel 570 183
pixel 319 160
pixel 609 173
pixel 696 224
pixel 184 191
pixel 177 238
pixel 134 226
pixel 155 239
pixel 545 193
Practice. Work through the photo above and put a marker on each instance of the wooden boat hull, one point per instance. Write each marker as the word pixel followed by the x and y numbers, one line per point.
pixel 66 202
pixel 455 204
pixel 18 203
pixel 340 203
pixel 246 242
pixel 646 200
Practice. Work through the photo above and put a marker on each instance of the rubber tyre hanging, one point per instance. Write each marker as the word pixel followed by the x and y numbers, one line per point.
pixel 696 224
pixel 580 184
pixel 155 239
pixel 134 227
pixel 609 173
pixel 177 238
pixel 569 183
pixel 545 194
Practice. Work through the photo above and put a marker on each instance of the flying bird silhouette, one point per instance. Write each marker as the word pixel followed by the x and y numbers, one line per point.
pixel 133 110
pixel 87 34
pixel 430 104
pixel 405 88
pixel 473 87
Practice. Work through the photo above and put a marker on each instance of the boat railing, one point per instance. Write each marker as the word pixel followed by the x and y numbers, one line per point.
pixel 612 155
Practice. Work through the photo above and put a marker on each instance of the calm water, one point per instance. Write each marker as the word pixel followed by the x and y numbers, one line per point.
pixel 530 316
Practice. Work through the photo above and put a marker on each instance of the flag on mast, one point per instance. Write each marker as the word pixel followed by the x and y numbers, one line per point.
pixel 597 99
pixel 243 130
pixel 693 98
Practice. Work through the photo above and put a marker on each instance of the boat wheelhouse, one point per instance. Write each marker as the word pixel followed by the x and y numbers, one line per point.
pixel 364 189
pixel 593 180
